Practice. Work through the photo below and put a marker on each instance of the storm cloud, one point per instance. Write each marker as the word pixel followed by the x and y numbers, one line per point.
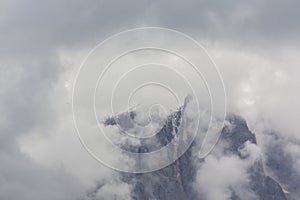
pixel 255 45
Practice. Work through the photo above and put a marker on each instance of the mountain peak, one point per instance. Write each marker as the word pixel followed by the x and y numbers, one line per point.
pixel 177 181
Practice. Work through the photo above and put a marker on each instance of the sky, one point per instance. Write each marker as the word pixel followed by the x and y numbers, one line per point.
pixel 255 45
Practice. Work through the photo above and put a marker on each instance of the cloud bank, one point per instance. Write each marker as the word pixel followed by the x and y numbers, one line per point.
pixel 255 45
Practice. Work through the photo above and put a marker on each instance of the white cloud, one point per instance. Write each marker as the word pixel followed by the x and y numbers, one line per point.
pixel 222 176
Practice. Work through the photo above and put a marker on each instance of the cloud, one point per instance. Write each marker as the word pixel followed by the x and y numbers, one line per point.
pixel 254 44
pixel 21 178
pixel 108 191
pixel 222 176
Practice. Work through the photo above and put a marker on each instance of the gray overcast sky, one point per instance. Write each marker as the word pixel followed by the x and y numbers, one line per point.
pixel 256 45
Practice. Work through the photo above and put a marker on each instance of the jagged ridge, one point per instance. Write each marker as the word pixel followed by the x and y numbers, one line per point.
pixel 174 181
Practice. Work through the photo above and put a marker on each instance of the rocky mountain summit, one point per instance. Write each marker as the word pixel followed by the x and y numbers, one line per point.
pixel 178 181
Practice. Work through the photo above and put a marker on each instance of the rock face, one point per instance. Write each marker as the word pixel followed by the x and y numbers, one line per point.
pixel 171 182
pixel 175 182
pixel 264 186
